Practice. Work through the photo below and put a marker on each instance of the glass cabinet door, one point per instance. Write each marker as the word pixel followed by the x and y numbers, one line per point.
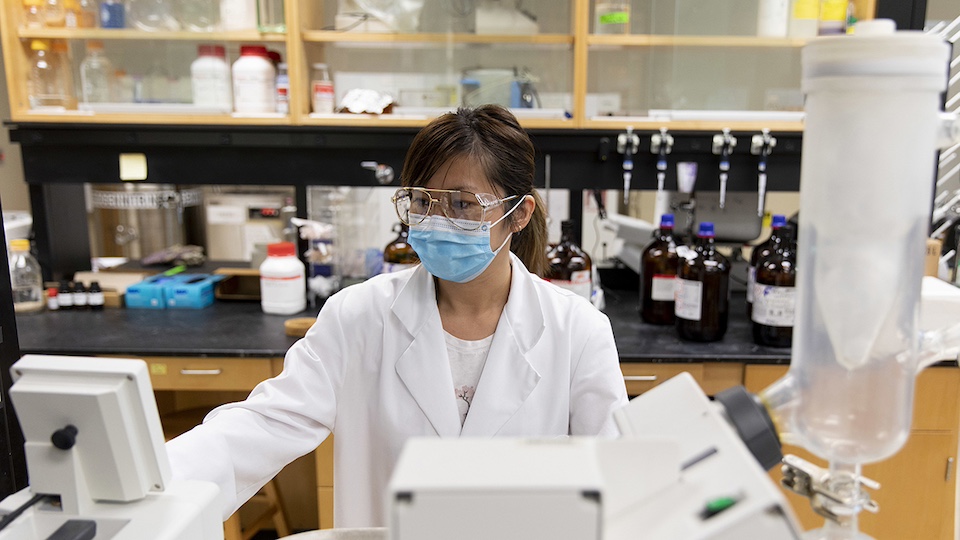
pixel 414 60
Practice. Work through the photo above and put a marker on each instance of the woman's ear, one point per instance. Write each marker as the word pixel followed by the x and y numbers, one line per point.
pixel 525 211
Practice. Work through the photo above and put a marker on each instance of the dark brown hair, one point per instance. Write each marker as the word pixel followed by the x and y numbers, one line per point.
pixel 492 137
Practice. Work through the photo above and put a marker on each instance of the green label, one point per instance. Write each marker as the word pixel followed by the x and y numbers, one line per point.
pixel 617 17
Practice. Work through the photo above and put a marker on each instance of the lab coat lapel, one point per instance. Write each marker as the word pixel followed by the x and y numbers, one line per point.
pixel 424 366
pixel 508 377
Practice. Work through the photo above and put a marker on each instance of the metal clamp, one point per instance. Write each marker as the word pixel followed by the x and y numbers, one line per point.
pixel 837 498
pixel 382 172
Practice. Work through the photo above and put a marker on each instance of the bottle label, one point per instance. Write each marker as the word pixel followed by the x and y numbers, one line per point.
pixel 211 89
pixel 689 299
pixel 578 283
pixel 283 99
pixel 774 306
pixel 96 299
pixel 65 299
pixel 664 288
pixel 806 9
pixel 389 268
pixel 751 281
pixel 615 17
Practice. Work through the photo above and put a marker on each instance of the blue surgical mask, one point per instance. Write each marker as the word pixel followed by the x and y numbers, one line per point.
pixel 452 253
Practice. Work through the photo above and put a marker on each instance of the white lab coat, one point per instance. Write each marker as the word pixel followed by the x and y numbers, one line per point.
pixel 374 369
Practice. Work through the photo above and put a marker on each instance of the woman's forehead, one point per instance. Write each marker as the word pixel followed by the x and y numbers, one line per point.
pixel 463 173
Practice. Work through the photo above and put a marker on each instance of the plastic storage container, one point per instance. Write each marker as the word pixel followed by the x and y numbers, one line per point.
pixel 254 80
pixel 25 277
pixel 283 283
pixel 210 78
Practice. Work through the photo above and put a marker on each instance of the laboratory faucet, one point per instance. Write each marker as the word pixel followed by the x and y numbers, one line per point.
pixel 761 145
pixel 627 144
pixel 661 144
pixel 723 145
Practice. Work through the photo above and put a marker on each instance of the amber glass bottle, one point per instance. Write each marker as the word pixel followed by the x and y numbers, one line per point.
pixel 399 254
pixel 762 250
pixel 774 294
pixel 570 266
pixel 658 279
pixel 703 290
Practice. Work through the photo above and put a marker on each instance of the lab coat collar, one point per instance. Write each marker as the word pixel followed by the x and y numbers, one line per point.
pixel 508 377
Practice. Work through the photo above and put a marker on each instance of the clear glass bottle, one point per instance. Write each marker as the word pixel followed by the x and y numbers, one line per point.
pixel 321 90
pixel 399 254
pixel 775 293
pixel 47 85
pixel 64 66
pixel 570 266
pixel 151 15
pixel 658 280
pixel 89 14
pixel 54 14
pixel 198 15
pixel 96 75
pixel 25 278
pixel 270 16
pixel 762 250
pixel 112 14
pixel 703 290
pixel 33 14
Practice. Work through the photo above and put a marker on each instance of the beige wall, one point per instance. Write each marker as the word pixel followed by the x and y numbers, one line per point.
pixel 13 190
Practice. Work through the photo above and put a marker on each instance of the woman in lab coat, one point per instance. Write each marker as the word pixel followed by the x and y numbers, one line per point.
pixel 468 344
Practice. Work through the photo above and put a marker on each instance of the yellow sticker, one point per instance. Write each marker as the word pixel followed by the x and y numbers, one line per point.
pixel 158 369
pixel 133 167
pixel 833 10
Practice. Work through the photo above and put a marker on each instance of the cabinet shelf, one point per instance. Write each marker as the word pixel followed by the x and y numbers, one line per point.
pixel 655 40
pixel 73 117
pixel 327 36
pixel 642 124
pixel 131 34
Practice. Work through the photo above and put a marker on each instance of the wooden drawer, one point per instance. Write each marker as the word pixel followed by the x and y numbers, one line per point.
pixel 935 406
pixel 176 373
pixel 712 376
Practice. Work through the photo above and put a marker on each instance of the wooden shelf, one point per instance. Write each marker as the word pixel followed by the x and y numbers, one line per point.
pixel 73 117
pixel 386 120
pixel 652 40
pixel 326 36
pixel 131 34
pixel 642 124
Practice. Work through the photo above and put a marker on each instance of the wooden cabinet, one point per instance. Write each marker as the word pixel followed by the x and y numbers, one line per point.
pixel 917 494
pixel 552 66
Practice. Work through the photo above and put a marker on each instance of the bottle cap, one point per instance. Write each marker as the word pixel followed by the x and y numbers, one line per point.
pixel 666 221
pixel 39 45
pixel 778 221
pixel 706 230
pixel 254 50
pixel 281 249
pixel 212 50
pixel 20 244
pixel 94 45
pixel 274 56
pixel 51 291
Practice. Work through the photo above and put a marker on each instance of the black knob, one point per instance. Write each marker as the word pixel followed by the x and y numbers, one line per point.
pixel 65 438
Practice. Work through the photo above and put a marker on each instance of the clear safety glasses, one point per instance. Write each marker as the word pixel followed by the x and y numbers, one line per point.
pixel 464 209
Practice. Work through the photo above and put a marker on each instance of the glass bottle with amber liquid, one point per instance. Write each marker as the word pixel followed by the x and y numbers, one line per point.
pixel 658 266
pixel 703 290
pixel 762 250
pixel 570 266
pixel 399 254
pixel 774 293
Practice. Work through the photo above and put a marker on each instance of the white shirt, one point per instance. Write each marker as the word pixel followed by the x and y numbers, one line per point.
pixel 466 365
pixel 374 369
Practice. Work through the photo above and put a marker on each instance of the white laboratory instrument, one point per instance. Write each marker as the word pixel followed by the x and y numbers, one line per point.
pixel 873 122
pixel 680 470
pixel 95 453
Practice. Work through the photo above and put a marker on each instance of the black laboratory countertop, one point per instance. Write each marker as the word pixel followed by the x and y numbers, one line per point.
pixel 241 329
